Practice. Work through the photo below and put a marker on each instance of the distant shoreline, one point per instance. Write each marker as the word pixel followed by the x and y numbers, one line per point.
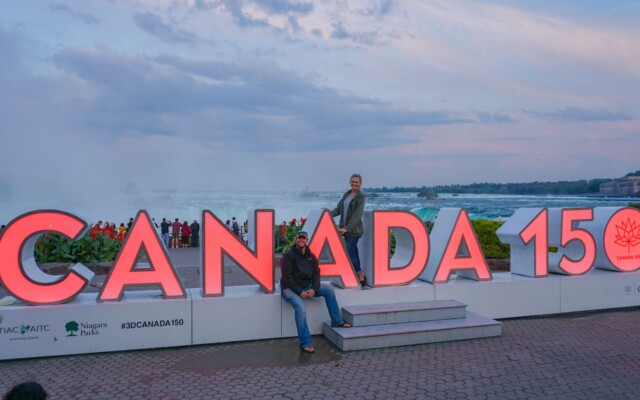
pixel 583 187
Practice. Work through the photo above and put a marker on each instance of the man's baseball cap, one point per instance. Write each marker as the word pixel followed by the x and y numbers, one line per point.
pixel 303 234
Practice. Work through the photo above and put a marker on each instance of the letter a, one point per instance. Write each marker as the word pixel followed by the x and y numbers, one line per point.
pixel 124 273
pixel 326 236
pixel 455 248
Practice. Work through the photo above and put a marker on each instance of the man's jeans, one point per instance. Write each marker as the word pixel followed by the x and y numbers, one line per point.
pixel 352 250
pixel 297 302
pixel 195 239
pixel 165 239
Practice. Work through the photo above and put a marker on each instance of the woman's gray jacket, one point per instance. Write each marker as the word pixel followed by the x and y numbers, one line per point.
pixel 353 220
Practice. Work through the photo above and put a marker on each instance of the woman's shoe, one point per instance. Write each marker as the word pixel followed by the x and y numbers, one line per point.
pixel 361 278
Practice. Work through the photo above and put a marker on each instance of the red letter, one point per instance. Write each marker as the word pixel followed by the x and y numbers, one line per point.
pixel 124 273
pixel 412 248
pixel 218 240
pixel 20 274
pixel 327 235
pixel 472 265
pixel 569 233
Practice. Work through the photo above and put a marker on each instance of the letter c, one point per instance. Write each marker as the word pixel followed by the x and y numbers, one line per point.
pixel 19 272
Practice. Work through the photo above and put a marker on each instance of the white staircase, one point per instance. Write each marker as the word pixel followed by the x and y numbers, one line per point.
pixel 402 324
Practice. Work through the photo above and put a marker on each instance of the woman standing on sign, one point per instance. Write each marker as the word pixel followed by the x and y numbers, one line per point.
pixel 350 209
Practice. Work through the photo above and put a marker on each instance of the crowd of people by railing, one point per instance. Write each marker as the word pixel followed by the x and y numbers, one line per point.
pixel 174 234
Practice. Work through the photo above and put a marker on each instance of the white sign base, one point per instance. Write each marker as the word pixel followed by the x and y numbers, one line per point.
pixel 599 290
pixel 142 320
pixel 243 313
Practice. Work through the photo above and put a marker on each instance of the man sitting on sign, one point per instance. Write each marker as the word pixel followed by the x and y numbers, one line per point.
pixel 301 280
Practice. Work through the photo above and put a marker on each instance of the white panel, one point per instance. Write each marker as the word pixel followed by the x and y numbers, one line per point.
pixel 506 296
pixel 522 255
pixel 243 313
pixel 141 320
pixel 365 247
pixel 600 289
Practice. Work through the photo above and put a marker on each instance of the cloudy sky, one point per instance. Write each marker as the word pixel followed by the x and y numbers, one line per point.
pixel 262 94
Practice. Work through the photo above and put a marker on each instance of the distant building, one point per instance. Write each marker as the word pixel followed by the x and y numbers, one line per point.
pixel 627 186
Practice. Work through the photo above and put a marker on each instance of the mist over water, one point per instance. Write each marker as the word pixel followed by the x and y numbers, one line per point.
pixel 188 205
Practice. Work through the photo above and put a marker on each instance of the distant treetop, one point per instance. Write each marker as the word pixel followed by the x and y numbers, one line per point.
pixel 580 187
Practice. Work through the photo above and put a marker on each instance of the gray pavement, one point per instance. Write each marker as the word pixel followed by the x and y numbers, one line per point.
pixel 592 355
pixel 579 356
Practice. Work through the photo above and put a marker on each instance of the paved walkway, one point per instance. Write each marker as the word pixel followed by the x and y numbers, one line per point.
pixel 580 356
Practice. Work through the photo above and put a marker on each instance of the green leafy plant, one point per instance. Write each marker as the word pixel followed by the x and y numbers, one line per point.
pixel 491 246
pixel 286 234
pixel 91 248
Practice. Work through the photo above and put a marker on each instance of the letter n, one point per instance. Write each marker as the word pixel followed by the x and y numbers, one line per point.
pixel 143 235
pixel 219 241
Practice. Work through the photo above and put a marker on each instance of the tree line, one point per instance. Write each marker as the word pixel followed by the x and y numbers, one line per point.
pixel 533 188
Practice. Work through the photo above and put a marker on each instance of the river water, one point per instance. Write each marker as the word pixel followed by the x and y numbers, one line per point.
pixel 288 205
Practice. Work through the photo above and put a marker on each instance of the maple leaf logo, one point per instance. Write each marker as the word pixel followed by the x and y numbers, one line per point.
pixel 628 234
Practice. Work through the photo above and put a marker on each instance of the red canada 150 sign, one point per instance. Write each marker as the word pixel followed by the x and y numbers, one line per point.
pixel 605 237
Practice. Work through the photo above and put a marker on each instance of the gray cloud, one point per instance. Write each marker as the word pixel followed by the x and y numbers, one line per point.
pixel 575 114
pixel 381 8
pixel 153 24
pixel 236 8
pixel 85 18
pixel 250 104
pixel 293 23
pixel 11 48
pixel 340 32
pixel 293 10
pixel 494 118
pixel 283 6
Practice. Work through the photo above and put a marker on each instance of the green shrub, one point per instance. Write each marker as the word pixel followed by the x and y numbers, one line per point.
pixel 100 247
pixel 285 236
pixel 635 205
pixel 491 246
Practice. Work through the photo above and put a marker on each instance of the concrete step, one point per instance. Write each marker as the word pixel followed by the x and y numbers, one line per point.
pixel 473 326
pixel 382 314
